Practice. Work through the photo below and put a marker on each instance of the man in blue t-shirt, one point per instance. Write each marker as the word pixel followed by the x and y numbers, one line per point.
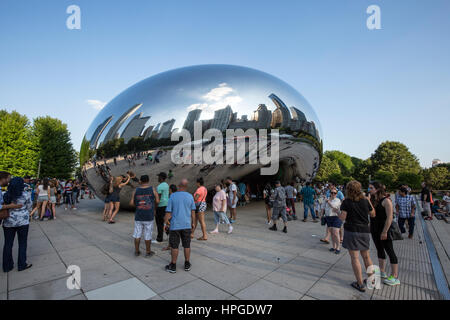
pixel 307 193
pixel 179 210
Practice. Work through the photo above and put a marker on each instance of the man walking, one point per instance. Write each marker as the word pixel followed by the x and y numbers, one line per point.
pixel 163 193
pixel 291 194
pixel 232 198
pixel 144 198
pixel 279 207
pixel 307 193
pixel 425 197
pixel 405 208
pixel 180 209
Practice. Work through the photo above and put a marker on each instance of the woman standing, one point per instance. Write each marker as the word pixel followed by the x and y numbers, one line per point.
pixel 331 210
pixel 379 226
pixel 118 184
pixel 52 202
pixel 200 204
pixel 220 209
pixel 43 193
pixel 355 210
pixel 18 222
pixel 267 193
pixel 68 198
pixel 107 189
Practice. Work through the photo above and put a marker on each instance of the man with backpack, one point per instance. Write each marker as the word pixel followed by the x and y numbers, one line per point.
pixel 279 207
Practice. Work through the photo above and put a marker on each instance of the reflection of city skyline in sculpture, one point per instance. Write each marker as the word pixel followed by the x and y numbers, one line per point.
pixel 113 132
pixel 134 127
pixel 225 118
pixel 98 132
pixel 282 117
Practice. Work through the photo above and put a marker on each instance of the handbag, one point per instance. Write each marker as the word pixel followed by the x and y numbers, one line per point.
pixel 394 232
pixel 4 214
pixel 323 220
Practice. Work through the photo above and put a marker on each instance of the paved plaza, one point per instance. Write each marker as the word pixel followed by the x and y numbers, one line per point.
pixel 251 263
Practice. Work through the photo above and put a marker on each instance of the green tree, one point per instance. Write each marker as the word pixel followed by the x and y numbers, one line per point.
pixel 438 177
pixel 394 157
pixel 338 178
pixel 58 157
pixel 411 179
pixel 385 177
pixel 327 168
pixel 362 171
pixel 17 144
pixel 344 160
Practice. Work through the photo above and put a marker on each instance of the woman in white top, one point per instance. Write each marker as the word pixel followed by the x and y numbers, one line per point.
pixel 220 209
pixel 331 209
pixel 43 196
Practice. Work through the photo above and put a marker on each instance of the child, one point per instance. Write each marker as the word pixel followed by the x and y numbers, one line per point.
pixel 172 189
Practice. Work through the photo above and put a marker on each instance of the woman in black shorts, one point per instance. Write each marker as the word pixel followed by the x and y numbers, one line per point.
pixel 379 226
pixel 118 183
pixel 355 210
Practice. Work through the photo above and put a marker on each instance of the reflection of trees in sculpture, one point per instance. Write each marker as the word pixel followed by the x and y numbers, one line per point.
pixel 117 147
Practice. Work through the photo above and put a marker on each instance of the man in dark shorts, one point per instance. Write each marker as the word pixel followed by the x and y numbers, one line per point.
pixel 180 209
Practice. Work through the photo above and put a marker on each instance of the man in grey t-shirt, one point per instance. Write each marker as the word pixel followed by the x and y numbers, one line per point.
pixel 279 206
pixel 291 194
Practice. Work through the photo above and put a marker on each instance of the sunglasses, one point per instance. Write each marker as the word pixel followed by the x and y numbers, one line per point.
pixel 333 192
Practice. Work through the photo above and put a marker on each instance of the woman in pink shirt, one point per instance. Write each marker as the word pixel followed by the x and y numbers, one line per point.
pixel 200 204
pixel 220 209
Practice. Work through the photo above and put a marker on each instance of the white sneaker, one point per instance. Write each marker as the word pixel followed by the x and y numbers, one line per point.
pixel 65 208
pixel 230 230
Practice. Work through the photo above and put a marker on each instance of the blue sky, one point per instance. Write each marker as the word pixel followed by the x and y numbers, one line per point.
pixel 365 86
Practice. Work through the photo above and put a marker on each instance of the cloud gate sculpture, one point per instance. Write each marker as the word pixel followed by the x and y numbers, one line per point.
pixel 140 131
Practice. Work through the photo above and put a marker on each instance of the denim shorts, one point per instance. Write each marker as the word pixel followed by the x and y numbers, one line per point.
pixel 334 222
pixel 114 198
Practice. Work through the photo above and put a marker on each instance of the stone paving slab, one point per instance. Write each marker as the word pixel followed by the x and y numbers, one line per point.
pixel 252 263
pixel 131 289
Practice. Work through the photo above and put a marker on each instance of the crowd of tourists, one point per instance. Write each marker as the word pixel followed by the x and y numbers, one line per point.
pixel 352 217
pixel 26 199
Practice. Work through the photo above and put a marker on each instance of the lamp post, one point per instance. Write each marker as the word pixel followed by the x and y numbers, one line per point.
pixel 39 168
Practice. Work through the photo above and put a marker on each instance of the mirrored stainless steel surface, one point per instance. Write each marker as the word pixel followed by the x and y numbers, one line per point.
pixel 144 116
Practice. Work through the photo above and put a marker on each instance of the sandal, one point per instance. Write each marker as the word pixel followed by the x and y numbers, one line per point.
pixel 165 249
pixel 137 254
pixel 358 287
pixel 324 241
pixel 202 239
pixel 149 254
pixel 111 222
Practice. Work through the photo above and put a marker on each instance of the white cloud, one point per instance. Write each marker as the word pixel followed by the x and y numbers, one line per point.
pixel 96 104
pixel 217 98
pixel 218 93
